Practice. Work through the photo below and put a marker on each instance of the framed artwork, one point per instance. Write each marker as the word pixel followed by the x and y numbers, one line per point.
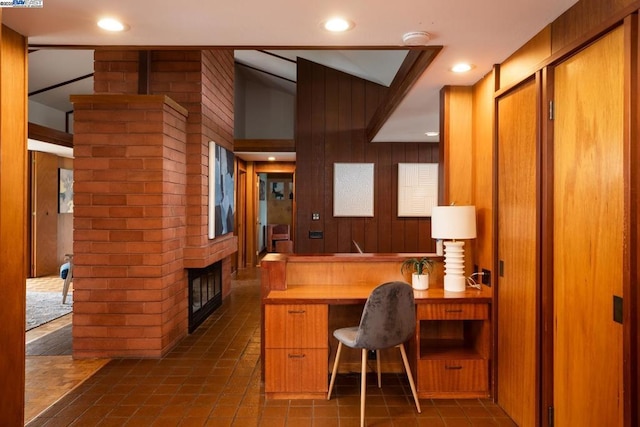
pixel 65 190
pixel 353 189
pixel 277 191
pixel 221 191
pixel 263 190
pixel 417 189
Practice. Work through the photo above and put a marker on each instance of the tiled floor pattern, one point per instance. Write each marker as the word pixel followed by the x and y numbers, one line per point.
pixel 213 378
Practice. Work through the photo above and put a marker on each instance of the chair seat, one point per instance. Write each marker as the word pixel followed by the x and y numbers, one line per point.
pixel 347 336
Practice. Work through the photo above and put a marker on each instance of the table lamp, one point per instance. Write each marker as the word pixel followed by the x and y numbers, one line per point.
pixel 451 223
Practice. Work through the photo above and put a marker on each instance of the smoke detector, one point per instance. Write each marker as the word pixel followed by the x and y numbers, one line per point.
pixel 416 38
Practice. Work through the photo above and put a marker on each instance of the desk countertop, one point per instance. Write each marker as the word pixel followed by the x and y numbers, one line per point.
pixel 357 294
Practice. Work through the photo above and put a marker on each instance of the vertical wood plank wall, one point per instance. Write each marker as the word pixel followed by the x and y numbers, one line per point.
pixel 13 222
pixel 332 113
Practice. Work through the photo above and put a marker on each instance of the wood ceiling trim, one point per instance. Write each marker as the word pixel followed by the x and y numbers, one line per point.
pixel 52 136
pixel 412 68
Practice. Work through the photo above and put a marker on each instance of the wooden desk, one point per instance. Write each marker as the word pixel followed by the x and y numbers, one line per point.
pixel 449 353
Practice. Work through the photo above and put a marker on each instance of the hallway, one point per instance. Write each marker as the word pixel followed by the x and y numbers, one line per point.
pixel 212 378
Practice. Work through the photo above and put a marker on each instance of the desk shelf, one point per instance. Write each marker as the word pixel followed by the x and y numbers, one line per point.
pixel 442 349
pixel 452 350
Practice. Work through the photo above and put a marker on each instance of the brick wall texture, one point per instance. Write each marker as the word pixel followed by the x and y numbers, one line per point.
pixel 141 195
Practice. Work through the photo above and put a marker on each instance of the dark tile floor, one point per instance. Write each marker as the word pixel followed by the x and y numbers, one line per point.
pixel 212 378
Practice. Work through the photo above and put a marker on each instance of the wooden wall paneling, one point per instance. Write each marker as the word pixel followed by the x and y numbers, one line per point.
pixel 330 129
pixel 399 230
pixel 358 153
pixel 583 16
pixel 371 224
pixel 521 64
pixel 383 189
pixel 309 156
pixel 517 287
pixel 483 159
pixel 458 145
pixel 631 275
pixel 13 222
pixel 588 234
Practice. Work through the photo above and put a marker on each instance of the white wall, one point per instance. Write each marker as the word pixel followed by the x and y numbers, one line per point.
pixel 46 116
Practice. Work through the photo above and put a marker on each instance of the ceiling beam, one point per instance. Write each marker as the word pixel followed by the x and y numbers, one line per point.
pixel 52 136
pixel 412 68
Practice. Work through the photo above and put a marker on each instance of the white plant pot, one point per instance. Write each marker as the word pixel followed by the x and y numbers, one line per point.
pixel 420 282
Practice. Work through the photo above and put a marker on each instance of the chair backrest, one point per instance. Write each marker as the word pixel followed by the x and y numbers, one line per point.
pixel 388 318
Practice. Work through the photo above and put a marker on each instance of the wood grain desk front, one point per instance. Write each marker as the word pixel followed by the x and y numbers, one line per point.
pixel 449 352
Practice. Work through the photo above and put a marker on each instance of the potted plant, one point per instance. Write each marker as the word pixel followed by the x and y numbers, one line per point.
pixel 420 269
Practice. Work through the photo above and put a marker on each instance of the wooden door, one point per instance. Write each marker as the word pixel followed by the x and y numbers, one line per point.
pixel 45 215
pixel 518 238
pixel 588 234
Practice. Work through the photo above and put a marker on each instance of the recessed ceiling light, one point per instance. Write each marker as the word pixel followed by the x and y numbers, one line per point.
pixel 432 133
pixel 461 67
pixel 111 24
pixel 271 158
pixel 337 25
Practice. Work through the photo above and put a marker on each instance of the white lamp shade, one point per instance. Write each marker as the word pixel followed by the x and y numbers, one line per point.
pixel 453 222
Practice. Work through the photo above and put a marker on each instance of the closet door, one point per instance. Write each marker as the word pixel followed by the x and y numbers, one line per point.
pixel 588 234
pixel 518 238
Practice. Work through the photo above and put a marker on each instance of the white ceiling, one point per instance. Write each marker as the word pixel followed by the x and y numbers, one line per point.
pixel 481 32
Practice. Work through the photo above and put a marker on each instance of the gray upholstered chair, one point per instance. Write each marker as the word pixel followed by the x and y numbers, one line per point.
pixel 388 320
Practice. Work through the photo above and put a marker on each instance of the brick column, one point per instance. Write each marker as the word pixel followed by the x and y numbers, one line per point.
pixel 130 297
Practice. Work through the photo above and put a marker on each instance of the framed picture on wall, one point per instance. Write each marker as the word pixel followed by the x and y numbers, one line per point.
pixel 353 189
pixel 417 189
pixel 221 191
pixel 65 190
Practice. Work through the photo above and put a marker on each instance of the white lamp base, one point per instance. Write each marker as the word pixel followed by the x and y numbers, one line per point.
pixel 454 279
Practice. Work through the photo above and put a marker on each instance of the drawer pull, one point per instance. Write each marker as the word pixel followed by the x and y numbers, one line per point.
pixel 456 368
pixel 453 311
pixel 296 356
pixel 297 311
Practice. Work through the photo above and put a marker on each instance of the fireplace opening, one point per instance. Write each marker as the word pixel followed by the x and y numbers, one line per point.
pixel 205 293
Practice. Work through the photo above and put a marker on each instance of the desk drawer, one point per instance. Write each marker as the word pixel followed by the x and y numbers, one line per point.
pixel 296 326
pixel 452 311
pixel 296 370
pixel 453 375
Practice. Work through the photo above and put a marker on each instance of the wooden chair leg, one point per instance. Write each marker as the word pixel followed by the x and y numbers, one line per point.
pixel 363 385
pixel 335 369
pixel 410 376
pixel 378 368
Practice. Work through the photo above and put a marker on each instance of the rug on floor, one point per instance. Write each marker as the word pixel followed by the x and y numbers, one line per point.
pixel 43 307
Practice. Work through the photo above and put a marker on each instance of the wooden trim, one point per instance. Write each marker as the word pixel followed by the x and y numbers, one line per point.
pixel 264 145
pixel 144 72
pixel 13 222
pixel 631 255
pixel 546 248
pixel 52 136
pixel 412 68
